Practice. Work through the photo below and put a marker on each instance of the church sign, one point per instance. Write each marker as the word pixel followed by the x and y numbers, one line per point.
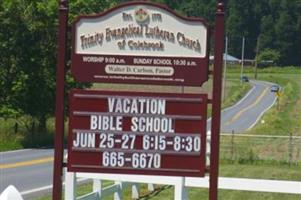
pixel 137 133
pixel 145 133
pixel 140 43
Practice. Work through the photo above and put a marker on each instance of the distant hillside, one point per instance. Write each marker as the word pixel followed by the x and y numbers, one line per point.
pixel 272 24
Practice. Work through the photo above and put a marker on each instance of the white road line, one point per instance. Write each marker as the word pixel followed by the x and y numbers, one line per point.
pixel 15 151
pixel 45 188
pixel 265 83
pixel 36 190
pixel 262 114
pixel 233 106
pixel 241 100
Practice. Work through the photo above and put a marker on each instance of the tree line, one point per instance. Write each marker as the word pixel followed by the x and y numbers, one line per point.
pixel 273 27
pixel 28 31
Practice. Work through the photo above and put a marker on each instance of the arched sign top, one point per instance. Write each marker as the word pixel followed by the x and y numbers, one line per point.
pixel 141 39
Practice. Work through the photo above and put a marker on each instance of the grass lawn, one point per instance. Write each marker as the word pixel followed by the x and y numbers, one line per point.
pixel 285 118
pixel 197 194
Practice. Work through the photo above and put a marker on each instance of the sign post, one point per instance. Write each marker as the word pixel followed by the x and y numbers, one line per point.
pixel 216 101
pixel 59 105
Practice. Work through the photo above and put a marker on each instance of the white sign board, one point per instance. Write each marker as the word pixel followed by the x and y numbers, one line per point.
pixel 140 30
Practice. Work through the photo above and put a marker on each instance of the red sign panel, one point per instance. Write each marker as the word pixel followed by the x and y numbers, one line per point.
pixel 137 133
pixel 141 43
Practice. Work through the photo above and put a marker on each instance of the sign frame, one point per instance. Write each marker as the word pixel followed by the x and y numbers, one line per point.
pixel 60 99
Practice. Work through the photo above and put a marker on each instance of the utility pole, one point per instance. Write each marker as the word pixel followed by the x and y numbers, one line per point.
pixel 256 56
pixel 225 68
pixel 242 58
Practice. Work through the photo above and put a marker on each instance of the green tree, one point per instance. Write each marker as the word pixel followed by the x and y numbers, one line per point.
pixel 28 40
pixel 237 22
pixel 204 9
pixel 267 36
pixel 28 32
pixel 285 30
pixel 243 20
pixel 8 58
pixel 29 54
pixel 268 55
pixel 81 7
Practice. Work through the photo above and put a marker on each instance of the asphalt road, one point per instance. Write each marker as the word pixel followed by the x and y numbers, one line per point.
pixel 30 170
pixel 246 113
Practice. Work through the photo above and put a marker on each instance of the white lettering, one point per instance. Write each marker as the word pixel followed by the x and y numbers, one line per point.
pixel 141 124
pixel 118 106
pixel 142 104
pixel 93 122
pixel 111 102
pixel 149 124
pixel 154 107
pixel 137 106
pixel 134 126
pixel 162 62
pixel 152 124
pixel 84 140
pixel 126 105
pixel 134 106
pixel 142 61
pixel 106 122
pixel 161 106
pixel 157 122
